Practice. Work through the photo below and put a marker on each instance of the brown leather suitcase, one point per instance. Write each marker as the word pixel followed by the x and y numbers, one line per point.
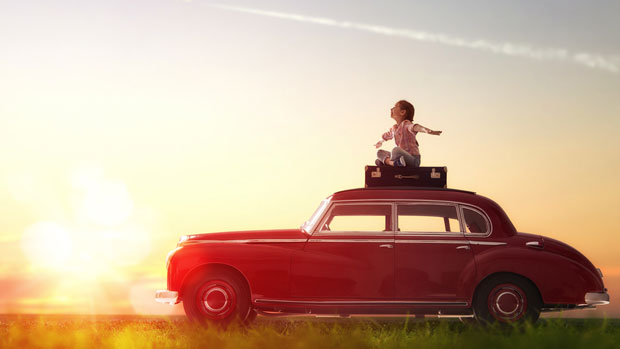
pixel 388 176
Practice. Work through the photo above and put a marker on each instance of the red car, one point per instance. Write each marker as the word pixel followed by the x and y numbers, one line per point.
pixel 383 251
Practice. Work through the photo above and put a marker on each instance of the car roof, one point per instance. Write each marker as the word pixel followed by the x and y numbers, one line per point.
pixel 403 193
pixel 409 193
pixel 406 188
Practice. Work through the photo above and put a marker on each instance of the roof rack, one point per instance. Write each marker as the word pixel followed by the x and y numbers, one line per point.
pixel 408 188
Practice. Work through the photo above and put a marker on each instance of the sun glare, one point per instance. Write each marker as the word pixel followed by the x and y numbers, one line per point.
pixel 98 247
pixel 47 245
pixel 108 203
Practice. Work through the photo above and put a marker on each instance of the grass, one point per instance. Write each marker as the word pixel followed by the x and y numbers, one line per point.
pixel 164 332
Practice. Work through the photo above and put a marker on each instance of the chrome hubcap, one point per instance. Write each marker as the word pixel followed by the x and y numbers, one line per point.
pixel 216 299
pixel 507 303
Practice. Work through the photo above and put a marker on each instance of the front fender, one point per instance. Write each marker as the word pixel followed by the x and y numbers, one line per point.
pixel 265 267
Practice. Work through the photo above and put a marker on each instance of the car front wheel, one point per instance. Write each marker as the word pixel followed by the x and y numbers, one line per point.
pixel 217 298
pixel 507 299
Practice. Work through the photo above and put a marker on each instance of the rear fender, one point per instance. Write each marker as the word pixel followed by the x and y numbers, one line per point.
pixel 559 280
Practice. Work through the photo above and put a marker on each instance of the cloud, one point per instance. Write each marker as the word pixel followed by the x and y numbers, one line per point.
pixel 587 59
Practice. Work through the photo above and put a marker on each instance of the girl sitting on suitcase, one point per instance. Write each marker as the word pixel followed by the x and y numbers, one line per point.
pixel 406 153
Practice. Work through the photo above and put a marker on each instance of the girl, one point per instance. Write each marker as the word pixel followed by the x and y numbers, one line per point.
pixel 406 153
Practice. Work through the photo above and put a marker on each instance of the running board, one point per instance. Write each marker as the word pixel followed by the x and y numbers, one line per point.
pixel 351 303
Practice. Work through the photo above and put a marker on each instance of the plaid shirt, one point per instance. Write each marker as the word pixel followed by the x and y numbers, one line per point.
pixel 404 136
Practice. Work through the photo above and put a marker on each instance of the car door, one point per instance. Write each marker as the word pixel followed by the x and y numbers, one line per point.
pixel 433 260
pixel 349 256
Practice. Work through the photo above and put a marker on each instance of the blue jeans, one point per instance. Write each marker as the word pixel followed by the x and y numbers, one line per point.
pixel 412 161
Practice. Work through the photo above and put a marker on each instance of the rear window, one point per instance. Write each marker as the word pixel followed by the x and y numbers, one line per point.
pixel 475 222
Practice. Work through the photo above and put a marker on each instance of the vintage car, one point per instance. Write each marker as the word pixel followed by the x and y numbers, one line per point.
pixel 383 251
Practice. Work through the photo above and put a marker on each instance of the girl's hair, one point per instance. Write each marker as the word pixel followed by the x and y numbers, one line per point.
pixel 409 109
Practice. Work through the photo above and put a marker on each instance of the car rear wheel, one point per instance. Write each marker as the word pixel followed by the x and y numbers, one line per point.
pixel 217 298
pixel 507 299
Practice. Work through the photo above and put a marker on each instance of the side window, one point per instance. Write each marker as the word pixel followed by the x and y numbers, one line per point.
pixel 426 218
pixel 359 218
pixel 475 223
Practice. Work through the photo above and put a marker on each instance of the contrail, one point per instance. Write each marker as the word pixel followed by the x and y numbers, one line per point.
pixel 590 60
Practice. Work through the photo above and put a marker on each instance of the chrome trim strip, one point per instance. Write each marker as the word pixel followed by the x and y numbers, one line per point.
pixel 263 300
pixel 401 241
pixel 450 235
pixel 246 241
pixel 461 218
pixel 487 243
pixel 431 241
pixel 450 242
pixel 352 240
pixel 354 233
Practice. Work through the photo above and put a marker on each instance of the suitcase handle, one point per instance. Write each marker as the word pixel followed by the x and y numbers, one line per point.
pixel 399 176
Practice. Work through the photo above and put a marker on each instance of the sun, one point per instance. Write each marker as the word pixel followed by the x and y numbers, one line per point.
pixel 107 203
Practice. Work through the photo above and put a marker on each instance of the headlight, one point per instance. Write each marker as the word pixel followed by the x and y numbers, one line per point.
pixel 599 272
pixel 182 239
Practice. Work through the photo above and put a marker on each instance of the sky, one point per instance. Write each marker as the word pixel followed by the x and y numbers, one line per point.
pixel 124 125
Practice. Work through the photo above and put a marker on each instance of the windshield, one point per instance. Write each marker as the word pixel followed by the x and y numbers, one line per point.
pixel 308 226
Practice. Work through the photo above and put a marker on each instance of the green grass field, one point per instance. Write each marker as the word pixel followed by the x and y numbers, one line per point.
pixel 56 331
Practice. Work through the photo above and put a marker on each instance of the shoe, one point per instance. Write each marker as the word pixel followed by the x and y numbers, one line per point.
pixel 379 163
pixel 400 162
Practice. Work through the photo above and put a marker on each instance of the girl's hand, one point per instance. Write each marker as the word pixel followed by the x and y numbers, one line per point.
pixel 436 133
pixel 378 144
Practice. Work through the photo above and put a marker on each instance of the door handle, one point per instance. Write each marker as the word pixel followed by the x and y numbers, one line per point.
pixel 386 246
pixel 464 247
pixel 534 244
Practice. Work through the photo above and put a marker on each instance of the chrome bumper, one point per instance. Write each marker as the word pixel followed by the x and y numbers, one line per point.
pixel 165 296
pixel 597 298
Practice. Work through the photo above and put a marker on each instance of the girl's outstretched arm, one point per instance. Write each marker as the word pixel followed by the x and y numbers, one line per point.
pixel 385 137
pixel 420 128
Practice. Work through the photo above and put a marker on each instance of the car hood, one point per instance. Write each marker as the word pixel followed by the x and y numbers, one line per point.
pixel 251 235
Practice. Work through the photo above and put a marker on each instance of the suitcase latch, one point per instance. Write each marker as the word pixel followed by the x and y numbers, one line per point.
pixel 376 174
pixel 399 176
pixel 435 174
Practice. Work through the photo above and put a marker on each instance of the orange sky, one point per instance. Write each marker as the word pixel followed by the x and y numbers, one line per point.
pixel 124 126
